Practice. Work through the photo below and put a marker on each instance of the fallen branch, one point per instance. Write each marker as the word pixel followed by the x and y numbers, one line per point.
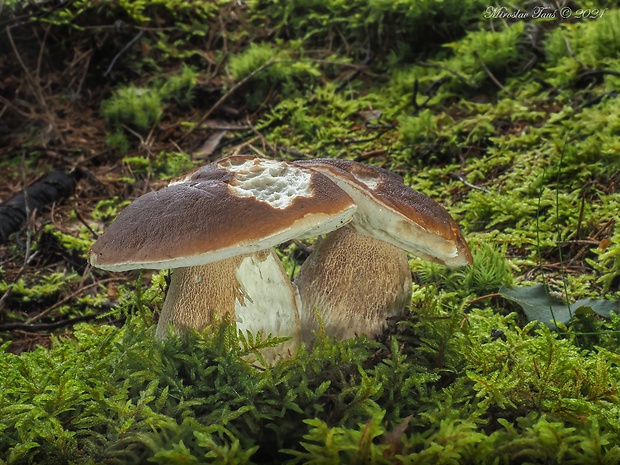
pixel 52 188
pixel 46 326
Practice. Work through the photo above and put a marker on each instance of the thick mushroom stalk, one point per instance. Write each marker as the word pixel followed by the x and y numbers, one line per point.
pixel 391 219
pixel 216 229
pixel 355 282
pixel 253 290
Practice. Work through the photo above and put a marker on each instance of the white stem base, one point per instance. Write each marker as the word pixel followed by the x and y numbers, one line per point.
pixel 253 289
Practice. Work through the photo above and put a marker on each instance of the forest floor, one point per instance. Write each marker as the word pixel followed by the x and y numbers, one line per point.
pixel 508 118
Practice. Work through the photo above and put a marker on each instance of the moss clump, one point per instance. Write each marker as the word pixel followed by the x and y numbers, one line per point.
pixel 482 54
pixel 275 67
pixel 574 49
pixel 112 395
pixel 133 108
pixel 163 166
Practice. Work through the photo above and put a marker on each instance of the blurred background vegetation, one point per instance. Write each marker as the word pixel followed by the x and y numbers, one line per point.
pixel 506 113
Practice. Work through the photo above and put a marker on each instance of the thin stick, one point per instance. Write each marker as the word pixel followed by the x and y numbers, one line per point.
pixel 491 76
pixel 460 177
pixel 35 87
pixel 478 299
pixel 123 50
pixel 81 220
pixel 68 298
pixel 29 222
pixel 224 97
pixel 40 57
pixel 46 326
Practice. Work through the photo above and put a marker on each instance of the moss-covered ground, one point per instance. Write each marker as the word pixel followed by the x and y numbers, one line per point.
pixel 507 114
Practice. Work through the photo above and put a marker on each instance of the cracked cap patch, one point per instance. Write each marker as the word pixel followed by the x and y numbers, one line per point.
pixel 275 183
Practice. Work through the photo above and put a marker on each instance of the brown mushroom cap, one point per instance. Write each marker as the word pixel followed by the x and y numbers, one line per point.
pixel 234 206
pixel 393 212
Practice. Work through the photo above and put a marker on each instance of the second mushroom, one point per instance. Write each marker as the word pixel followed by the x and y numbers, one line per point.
pixel 358 276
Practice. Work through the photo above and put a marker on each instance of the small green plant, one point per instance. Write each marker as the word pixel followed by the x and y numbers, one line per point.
pixel 178 87
pixel 337 445
pixel 481 53
pixel 79 243
pixel 255 56
pixel 118 140
pixel 273 67
pixel 136 107
pixel 489 271
pixel 133 109
pixel 171 164
pixel 138 164
pixel 39 288
pixel 107 209
pixel 165 165
pixel 575 48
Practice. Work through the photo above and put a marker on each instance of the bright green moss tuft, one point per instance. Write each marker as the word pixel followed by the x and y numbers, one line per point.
pixel 136 107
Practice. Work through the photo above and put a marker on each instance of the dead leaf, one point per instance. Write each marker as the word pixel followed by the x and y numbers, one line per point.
pixel 393 438
pixel 210 145
pixel 370 115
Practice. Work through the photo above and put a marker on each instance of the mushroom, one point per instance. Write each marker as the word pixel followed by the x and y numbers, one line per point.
pixel 358 276
pixel 216 229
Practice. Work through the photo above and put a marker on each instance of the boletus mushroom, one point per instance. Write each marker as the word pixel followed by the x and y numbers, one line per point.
pixel 358 276
pixel 216 229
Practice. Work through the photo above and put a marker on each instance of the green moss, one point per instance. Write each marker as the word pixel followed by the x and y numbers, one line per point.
pixel 110 394
pixel 608 262
pixel 179 87
pixel 495 120
pixel 108 209
pixel 136 107
pixel 39 288
pixel 575 48
pixel 118 140
pixel 79 243
pixel 132 108
pixel 489 271
pixel 137 164
pixel 164 166
pixel 281 67
pixel 481 53
pixel 172 164
pixel 405 28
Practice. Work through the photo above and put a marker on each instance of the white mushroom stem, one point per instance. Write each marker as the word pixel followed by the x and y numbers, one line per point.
pixel 252 289
pixel 354 283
